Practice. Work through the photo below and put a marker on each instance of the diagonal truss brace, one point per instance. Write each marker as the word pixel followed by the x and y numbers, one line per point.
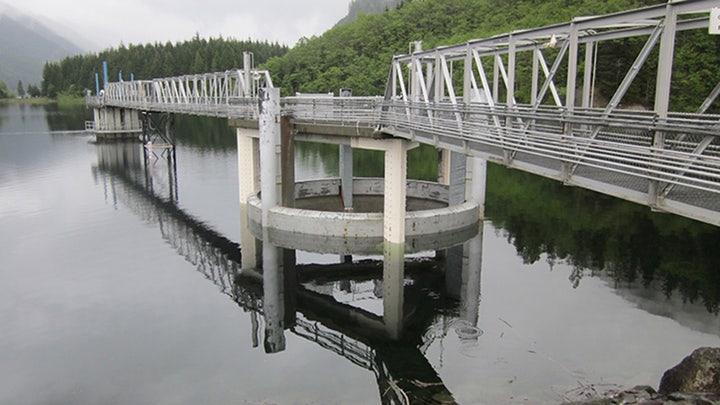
pixel 625 84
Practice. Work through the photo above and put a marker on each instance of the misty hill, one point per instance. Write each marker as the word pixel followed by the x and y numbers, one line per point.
pixel 359 7
pixel 25 45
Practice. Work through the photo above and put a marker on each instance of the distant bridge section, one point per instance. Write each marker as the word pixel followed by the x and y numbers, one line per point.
pixel 231 93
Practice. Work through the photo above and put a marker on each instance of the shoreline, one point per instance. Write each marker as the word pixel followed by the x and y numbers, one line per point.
pixel 61 100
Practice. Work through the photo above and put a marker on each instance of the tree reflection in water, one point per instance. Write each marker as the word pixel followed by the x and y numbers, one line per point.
pixel 601 235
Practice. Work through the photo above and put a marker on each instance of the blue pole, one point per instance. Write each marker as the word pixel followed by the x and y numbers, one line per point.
pixel 120 76
pixel 97 84
pixel 105 73
pixel 132 77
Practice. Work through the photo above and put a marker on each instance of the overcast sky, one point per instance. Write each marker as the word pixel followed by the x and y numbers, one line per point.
pixel 106 23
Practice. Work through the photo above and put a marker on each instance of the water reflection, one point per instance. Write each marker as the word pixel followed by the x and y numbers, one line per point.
pixel 67 117
pixel 389 316
pixel 382 330
pixel 28 118
pixel 638 251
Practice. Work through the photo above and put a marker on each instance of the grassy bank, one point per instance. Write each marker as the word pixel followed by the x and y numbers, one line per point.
pixel 62 100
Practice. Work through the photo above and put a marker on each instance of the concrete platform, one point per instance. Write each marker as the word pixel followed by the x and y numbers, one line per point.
pixel 319 223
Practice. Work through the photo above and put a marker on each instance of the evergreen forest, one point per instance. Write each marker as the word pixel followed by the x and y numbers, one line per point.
pixel 76 74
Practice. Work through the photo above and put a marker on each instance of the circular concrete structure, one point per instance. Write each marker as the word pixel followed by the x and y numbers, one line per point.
pixel 319 223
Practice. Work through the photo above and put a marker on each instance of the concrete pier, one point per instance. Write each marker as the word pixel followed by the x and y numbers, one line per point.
pixel 248 156
pixel 113 123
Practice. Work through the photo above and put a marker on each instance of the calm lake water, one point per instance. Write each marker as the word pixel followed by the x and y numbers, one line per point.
pixel 121 283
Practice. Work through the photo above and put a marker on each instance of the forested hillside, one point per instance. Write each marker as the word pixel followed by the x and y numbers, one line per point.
pixel 357 55
pixel 75 74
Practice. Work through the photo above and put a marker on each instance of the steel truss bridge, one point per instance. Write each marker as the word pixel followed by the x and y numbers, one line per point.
pixel 463 98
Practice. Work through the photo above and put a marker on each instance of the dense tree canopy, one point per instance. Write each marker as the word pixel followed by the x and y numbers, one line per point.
pixel 76 74
pixel 4 92
pixel 358 54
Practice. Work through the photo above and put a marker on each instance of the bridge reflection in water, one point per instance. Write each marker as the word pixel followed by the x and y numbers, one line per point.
pixel 301 299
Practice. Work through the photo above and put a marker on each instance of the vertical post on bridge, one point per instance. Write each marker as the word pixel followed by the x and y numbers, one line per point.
pixel 588 78
pixel 394 235
pixel 572 69
pixel 476 183
pixel 247 66
pixel 662 88
pixel 395 191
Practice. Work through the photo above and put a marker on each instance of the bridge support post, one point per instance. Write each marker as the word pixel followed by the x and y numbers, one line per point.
pixel 112 123
pixel 476 182
pixel 248 184
pixel 395 183
pixel 394 235
pixel 395 191
pixel 270 146
pixel 452 172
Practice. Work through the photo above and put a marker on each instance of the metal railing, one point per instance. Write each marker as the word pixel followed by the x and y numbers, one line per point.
pixel 231 93
pixel 635 155
pixel 654 161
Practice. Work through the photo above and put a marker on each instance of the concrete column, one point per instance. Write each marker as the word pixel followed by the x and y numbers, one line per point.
pixel 346 176
pixel 269 128
pixel 395 191
pixel 248 172
pixel 393 289
pixel 458 173
pixel 451 172
pixel 444 166
pixel 248 164
pixel 96 118
pixel 476 182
